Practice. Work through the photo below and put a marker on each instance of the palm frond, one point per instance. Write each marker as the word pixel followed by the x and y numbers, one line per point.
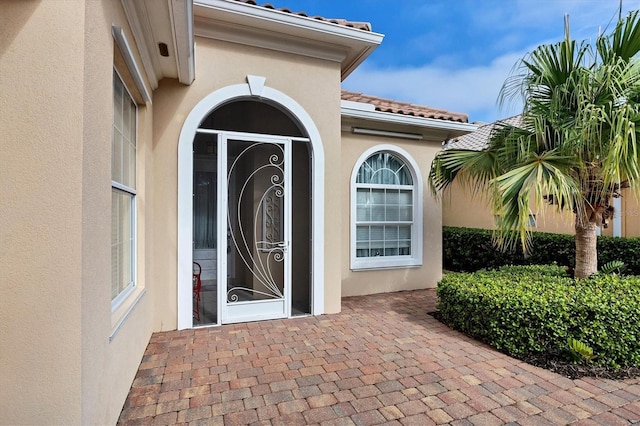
pixel 543 175
pixel 474 169
pixel 623 42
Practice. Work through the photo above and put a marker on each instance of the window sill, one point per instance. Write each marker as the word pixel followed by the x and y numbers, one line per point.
pixel 121 313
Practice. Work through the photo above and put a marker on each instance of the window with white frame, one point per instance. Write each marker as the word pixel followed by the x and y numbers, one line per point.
pixel 386 211
pixel 123 192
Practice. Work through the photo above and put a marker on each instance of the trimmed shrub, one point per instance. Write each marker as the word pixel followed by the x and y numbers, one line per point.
pixel 535 310
pixel 470 249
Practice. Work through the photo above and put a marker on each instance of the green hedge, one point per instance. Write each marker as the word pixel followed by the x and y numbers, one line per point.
pixel 533 310
pixel 470 249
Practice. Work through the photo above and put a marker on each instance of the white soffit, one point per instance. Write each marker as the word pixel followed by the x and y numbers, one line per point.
pixel 163 21
pixel 247 24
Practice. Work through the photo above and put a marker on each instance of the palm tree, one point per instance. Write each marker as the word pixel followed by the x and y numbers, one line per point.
pixel 577 144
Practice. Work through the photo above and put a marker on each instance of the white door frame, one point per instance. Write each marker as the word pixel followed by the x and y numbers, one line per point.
pixel 185 190
pixel 252 310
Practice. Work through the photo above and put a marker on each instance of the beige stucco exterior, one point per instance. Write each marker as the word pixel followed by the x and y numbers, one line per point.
pixel 65 356
pixel 630 214
pixel 460 208
pixel 360 282
pixel 58 363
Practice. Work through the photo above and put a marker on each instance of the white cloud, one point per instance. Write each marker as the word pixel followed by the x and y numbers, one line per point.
pixel 469 90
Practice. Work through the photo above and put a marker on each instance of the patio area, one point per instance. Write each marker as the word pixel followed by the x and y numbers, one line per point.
pixel 382 360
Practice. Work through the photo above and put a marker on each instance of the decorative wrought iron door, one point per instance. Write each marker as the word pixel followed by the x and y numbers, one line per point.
pixel 258 207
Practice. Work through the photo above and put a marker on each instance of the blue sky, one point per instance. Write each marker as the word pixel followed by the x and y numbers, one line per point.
pixel 455 54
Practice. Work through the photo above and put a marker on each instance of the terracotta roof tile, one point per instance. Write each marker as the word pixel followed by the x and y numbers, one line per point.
pixel 404 108
pixel 479 140
pixel 365 26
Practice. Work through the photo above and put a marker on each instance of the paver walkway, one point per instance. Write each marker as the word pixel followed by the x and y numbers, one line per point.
pixel 382 360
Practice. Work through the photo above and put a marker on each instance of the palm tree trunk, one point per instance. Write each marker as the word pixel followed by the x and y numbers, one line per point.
pixel 586 249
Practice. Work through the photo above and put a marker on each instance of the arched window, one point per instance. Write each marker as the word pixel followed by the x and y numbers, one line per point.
pixel 386 210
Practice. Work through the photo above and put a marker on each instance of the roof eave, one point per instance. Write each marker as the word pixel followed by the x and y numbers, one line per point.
pixel 252 25
pixel 170 23
pixel 381 119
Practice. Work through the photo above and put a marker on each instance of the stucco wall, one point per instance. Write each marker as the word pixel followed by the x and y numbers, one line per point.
pixel 57 363
pixel 459 208
pixel 40 211
pixel 313 83
pixel 630 214
pixel 387 280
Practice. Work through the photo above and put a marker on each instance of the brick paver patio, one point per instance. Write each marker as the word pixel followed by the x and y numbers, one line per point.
pixel 383 360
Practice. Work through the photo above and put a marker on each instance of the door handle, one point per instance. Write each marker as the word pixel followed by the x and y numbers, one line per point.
pixel 283 245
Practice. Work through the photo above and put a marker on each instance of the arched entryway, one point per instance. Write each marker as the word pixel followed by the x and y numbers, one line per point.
pixel 250 215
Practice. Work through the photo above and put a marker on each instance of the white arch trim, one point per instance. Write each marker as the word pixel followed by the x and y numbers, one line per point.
pixel 417 235
pixel 185 188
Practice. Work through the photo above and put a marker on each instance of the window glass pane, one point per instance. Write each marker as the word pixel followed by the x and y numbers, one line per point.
pixel 390 244
pixel 376 232
pixel 404 232
pixel 362 253
pixel 392 197
pixel 117 103
pixel 362 233
pixel 377 196
pixel 115 213
pixel 363 196
pixel 130 165
pixel 126 117
pixel 115 254
pixel 391 233
pixel 362 245
pixel 121 241
pixel 377 213
pixel 114 271
pixel 405 197
pixel 377 248
pixel 390 251
pixel 116 163
pixel 393 213
pixel 363 213
pixel 124 216
pixel 126 163
pixel 405 214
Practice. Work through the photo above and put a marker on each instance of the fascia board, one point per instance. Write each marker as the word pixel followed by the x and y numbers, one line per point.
pixel 181 13
pixel 140 29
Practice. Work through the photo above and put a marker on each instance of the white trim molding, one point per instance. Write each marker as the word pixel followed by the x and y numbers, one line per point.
pixel 121 40
pixel 185 188
pixel 415 259
pixel 181 13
